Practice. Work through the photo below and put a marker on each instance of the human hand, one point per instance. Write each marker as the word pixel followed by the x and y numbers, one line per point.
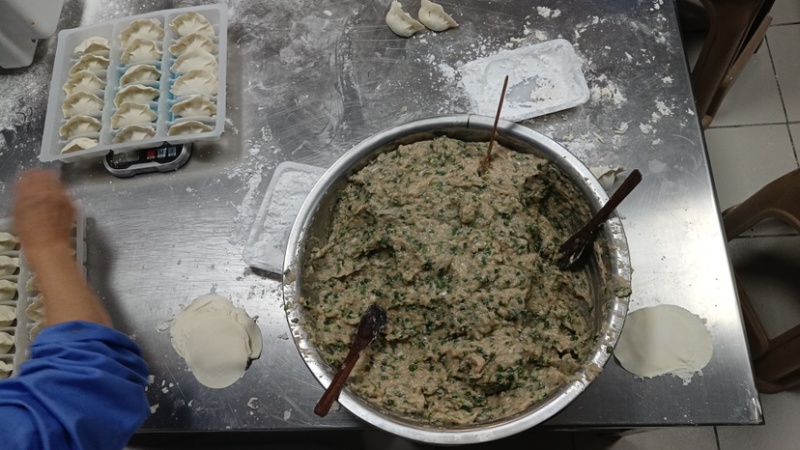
pixel 43 214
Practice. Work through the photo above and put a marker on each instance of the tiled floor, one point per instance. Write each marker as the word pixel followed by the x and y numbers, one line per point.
pixel 754 139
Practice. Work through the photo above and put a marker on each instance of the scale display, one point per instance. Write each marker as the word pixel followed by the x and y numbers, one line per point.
pixel 166 158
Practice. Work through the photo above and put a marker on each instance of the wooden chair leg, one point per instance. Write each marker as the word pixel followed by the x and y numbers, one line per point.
pixel 731 24
pixel 779 199
pixel 776 362
pixel 733 73
pixel 780 366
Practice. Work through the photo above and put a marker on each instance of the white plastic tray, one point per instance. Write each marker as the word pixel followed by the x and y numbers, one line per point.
pixel 288 188
pixel 542 79
pixel 68 40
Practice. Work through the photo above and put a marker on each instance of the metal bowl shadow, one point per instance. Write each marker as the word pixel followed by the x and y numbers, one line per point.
pixel 608 266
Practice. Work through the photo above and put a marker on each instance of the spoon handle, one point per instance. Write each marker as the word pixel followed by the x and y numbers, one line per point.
pixel 371 325
pixel 573 247
pixel 332 393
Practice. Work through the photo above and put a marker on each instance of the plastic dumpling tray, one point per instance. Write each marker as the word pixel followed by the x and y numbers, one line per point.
pixel 542 79
pixel 20 292
pixel 153 117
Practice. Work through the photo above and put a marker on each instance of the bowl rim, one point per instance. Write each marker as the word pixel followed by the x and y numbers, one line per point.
pixel 558 400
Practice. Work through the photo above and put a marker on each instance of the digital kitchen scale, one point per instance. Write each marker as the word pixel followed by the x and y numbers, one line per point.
pixel 166 158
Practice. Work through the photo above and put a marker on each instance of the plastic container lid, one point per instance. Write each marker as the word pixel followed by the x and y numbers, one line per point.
pixel 542 79
pixel 288 188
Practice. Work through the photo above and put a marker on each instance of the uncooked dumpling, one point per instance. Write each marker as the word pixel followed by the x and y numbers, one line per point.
pixel 84 81
pixel 80 126
pixel 191 42
pixel 8 314
pixel 81 103
pixel 6 342
pixel 36 329
pixel 189 127
pixel 5 370
pixel 141 29
pixel 36 311
pixel 141 50
pixel 195 106
pixel 36 316
pixel 133 133
pixel 130 113
pixel 192 23
pixel 400 22
pixel 196 81
pixel 140 73
pixel 136 93
pixel 75 145
pixel 8 290
pixel 8 241
pixel 33 285
pixel 93 63
pixel 95 45
pixel 432 15
pixel 197 59
pixel 8 265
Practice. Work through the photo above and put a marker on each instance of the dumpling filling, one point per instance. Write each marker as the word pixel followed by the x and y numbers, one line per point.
pixel 482 324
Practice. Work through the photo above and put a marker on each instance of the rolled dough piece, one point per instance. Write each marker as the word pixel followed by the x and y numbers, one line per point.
pixel 664 339
pixel 216 339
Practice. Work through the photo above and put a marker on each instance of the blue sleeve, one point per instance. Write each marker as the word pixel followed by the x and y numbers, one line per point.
pixel 83 388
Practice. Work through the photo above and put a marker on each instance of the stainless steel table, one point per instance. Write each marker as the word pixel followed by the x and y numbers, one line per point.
pixel 307 80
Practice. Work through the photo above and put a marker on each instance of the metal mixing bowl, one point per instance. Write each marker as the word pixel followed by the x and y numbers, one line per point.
pixel 608 268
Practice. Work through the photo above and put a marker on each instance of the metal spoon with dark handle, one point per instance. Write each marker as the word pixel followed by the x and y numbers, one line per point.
pixel 371 325
pixel 571 250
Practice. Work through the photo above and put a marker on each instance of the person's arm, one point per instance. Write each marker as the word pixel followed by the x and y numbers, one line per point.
pixel 44 218
pixel 84 385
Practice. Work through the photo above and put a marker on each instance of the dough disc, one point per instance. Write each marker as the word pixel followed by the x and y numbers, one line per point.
pixel 664 339
pixel 216 340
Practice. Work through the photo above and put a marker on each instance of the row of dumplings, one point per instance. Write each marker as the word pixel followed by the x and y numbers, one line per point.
pixel 135 101
pixel 35 311
pixel 84 103
pixel 135 105
pixel 195 66
pixel 10 299
pixel 9 267
pixel 431 15
pixel 85 89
